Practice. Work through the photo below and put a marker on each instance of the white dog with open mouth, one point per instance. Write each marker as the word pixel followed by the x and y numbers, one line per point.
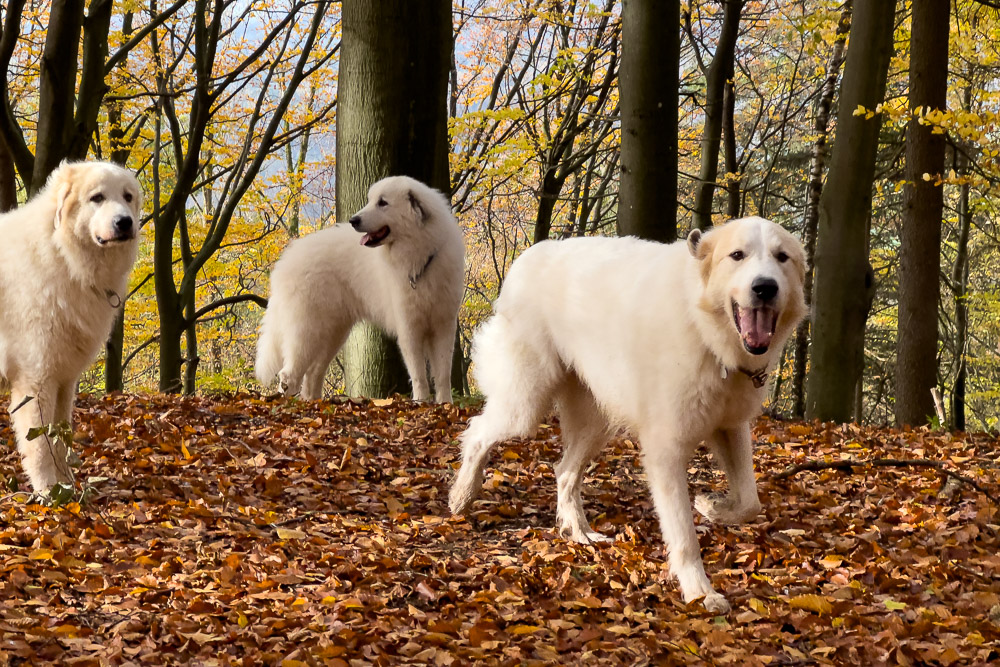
pixel 406 275
pixel 65 259
pixel 671 342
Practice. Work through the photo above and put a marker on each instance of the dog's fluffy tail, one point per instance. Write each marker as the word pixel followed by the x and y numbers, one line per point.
pixel 268 351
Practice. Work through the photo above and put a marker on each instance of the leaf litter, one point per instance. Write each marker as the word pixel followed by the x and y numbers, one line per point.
pixel 246 531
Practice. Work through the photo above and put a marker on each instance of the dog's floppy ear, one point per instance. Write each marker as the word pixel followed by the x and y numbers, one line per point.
pixel 700 245
pixel 139 201
pixel 65 198
pixel 694 238
pixel 415 203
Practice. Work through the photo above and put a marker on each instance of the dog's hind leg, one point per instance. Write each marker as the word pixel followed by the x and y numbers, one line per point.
pixel 498 422
pixel 298 358
pixel 733 452
pixel 585 431
pixel 416 364
pixel 665 459
pixel 518 379
pixel 442 347
pixel 315 375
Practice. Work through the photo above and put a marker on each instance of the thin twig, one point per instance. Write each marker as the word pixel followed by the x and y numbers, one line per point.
pixel 850 465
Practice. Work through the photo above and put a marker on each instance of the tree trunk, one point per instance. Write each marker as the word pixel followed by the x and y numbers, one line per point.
pixel 843 277
pixel 548 198
pixel 648 81
pixel 113 371
pixel 57 88
pixel 191 358
pixel 171 358
pixel 729 152
pixel 114 348
pixel 391 120
pixel 923 203
pixel 8 180
pixel 719 72
pixel 817 165
pixel 960 281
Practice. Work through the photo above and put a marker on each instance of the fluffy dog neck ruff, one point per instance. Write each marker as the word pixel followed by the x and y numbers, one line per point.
pixel 421 272
pixel 757 377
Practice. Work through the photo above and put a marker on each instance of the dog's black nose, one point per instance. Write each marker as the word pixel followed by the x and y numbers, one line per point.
pixel 765 288
pixel 355 221
pixel 123 224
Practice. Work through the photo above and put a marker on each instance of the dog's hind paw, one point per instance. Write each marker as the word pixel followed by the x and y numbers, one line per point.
pixel 722 509
pixel 460 499
pixel 716 603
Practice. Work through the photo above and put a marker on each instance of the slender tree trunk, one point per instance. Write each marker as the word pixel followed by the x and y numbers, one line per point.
pixel 719 72
pixel 729 151
pixel 191 358
pixel 843 276
pixel 817 165
pixel 113 371
pixel 57 89
pixel 114 348
pixel 960 280
pixel 8 180
pixel 648 81
pixel 391 119
pixel 171 356
pixel 923 204
pixel 548 198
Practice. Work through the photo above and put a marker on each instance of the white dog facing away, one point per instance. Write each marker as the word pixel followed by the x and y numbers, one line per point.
pixel 671 342
pixel 65 259
pixel 406 275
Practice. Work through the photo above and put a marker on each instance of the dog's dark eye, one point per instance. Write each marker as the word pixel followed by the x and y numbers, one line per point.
pixel 781 257
pixel 737 255
pixel 98 198
pixel 382 203
pixel 128 197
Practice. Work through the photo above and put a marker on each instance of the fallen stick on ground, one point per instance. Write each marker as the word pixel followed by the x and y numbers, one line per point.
pixel 850 464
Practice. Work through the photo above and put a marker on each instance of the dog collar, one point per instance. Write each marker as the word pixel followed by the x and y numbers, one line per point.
pixel 421 272
pixel 758 377
pixel 108 295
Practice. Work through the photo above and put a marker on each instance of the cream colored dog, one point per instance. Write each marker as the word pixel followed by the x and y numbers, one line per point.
pixel 671 342
pixel 401 267
pixel 65 258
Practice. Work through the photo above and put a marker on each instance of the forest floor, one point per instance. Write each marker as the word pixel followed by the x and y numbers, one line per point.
pixel 249 531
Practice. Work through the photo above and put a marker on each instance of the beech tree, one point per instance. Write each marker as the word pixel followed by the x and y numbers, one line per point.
pixel 648 81
pixel 391 121
pixel 186 153
pixel 923 203
pixel 817 167
pixel 67 113
pixel 717 75
pixel 843 274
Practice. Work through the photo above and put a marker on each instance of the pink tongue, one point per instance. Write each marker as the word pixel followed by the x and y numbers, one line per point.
pixel 366 238
pixel 757 326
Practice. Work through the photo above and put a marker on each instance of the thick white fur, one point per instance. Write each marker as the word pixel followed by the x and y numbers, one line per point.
pixel 624 333
pixel 326 282
pixel 62 266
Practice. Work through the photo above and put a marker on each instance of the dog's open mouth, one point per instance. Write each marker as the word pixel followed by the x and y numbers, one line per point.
pixel 755 326
pixel 372 239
